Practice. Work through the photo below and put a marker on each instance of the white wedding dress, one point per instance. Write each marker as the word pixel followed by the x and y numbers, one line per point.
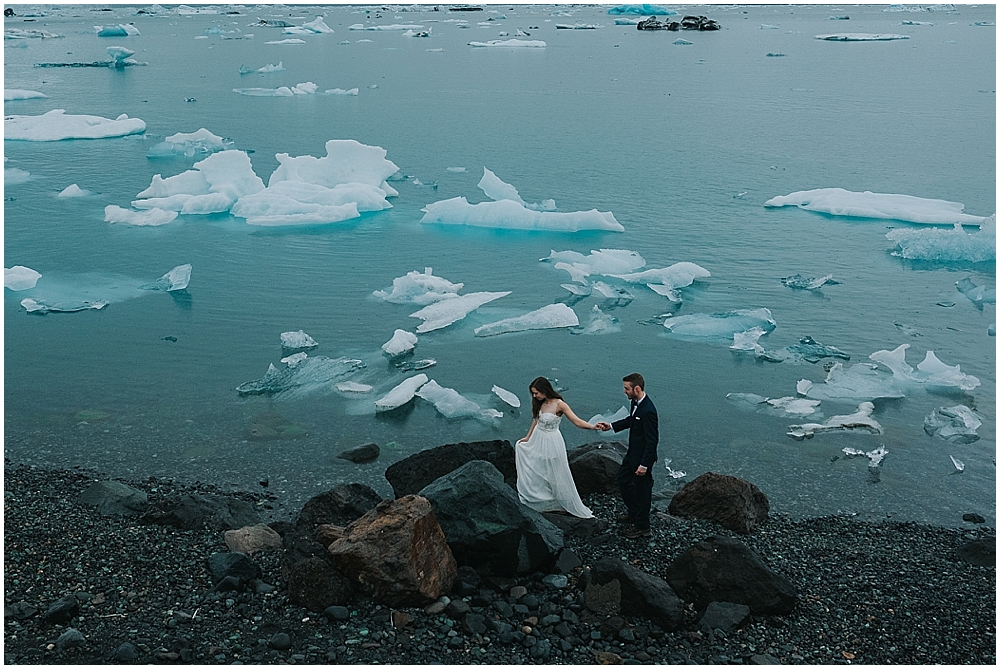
pixel 544 481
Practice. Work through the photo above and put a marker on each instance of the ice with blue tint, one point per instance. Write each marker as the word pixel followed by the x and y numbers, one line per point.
pixel 300 203
pixel 978 295
pixel 188 144
pixel 290 40
pixel 511 43
pixel 840 202
pixel 304 88
pixel 341 91
pixel 401 342
pixel 577 289
pixel 10 94
pixel 507 396
pixel 778 406
pixel 20 277
pixel 931 371
pixel 57 125
pixel 121 30
pixel 15 175
pixel 419 288
pixel 957 424
pixel 642 10
pixel 511 215
pixel 550 316
pixel 861 420
pixel 610 417
pixel 176 279
pixel 303 376
pixel 862 381
pixel 151 217
pixel 39 306
pixel 748 340
pixel 720 325
pixel 212 186
pixel 668 280
pixel 354 387
pixel 604 262
pixel 73 191
pixel 811 350
pixel 861 37
pixel 954 245
pixel 600 323
pixel 401 394
pixel 297 341
pixel 806 283
pixel 443 313
pixel 451 404
pixel 394 26
pixel 315 27
pixel 346 161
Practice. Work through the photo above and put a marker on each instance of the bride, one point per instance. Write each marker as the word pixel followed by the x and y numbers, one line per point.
pixel 544 481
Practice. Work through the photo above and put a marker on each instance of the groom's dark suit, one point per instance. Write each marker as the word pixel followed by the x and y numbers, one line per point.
pixel 643 435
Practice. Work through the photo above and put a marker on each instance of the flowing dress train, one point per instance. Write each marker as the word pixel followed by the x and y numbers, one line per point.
pixel 544 481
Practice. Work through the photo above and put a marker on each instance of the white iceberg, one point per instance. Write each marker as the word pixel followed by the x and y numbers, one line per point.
pixel 497 189
pixel 861 37
pixel 20 277
pixel 511 215
pixel 668 280
pixel 507 396
pixel 152 217
pixel 73 191
pixel 748 340
pixel 176 279
pixel 622 412
pixel 188 144
pixel 875 456
pixel 930 371
pixel 840 202
pixel 354 387
pixel 213 185
pixel 39 306
pixel 296 203
pixel 448 401
pixel 978 295
pixel 304 376
pixel 550 316
pixel 341 91
pixel 445 312
pixel 600 324
pixel 859 382
pixel 778 406
pixel 401 394
pixel 419 288
pixel 297 341
pixel 401 342
pixel 346 161
pixel 954 245
pixel 305 88
pixel 15 175
pixel 605 262
pixel 721 325
pixel 290 40
pixel 57 125
pixel 511 43
pixel 957 424
pixel 807 283
pixel 10 94
pixel 859 420
pixel 315 27
pixel 295 359
pixel 578 26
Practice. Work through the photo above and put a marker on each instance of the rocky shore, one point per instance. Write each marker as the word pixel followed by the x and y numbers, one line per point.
pixel 87 585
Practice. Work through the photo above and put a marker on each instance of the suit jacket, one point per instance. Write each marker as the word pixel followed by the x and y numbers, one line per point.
pixel 643 435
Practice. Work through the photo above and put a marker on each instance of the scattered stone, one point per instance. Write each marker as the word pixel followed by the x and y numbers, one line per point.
pixel 566 562
pixel 724 616
pixel 253 539
pixel 71 638
pixel 338 613
pixel 62 610
pixel 557 581
pixel 595 467
pixel 221 565
pixel 973 518
pixel 280 641
pixel 340 506
pixel 412 474
pixel 228 584
pixel 604 657
pixel 640 594
pixel 457 609
pixel 19 611
pixel 125 653
pixel 735 504
pixel 981 552
pixel 365 453
pixel 115 499
pixel 197 511
pixel 400 619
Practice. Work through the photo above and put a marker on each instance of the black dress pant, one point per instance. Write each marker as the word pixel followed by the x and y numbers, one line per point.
pixel 637 493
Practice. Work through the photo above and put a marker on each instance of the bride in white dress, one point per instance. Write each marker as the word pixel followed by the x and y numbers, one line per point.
pixel 544 481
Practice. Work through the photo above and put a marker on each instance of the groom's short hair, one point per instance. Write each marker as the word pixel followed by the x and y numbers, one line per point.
pixel 636 380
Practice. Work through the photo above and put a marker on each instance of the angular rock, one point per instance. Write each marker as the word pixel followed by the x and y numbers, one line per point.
pixel 195 512
pixel 566 562
pixel 125 653
pixel 365 453
pixel 595 467
pixel 337 613
pixel 721 569
pixel 253 539
pixel 724 616
pixel 973 518
pixel 280 641
pixel 398 552
pixel 19 611
pixel 71 638
pixel 62 610
pixel 641 594
pixel 327 534
pixel 339 506
pixel 981 552
pixel 115 499
pixel 576 527
pixel 486 525
pixel 238 565
pixel 411 475
pixel 316 585
pixel 735 504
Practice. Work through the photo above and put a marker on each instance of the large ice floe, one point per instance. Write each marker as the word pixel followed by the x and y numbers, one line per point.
pixel 668 280
pixel 419 288
pixel 149 218
pixel 550 316
pixel 931 371
pixel 20 277
pixel 401 342
pixel 57 125
pixel 401 394
pixel 508 210
pixel 861 37
pixel 641 10
pixel 511 43
pixel 720 326
pixel 60 293
pixel 213 185
pixel 451 404
pixel 957 424
pixel 302 374
pixel 862 381
pixel 860 420
pixel 304 88
pixel 11 94
pixel 840 202
pixel 443 313
pixel 954 245
pixel 189 144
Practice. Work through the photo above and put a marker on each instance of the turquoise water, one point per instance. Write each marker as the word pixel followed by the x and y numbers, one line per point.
pixel 682 143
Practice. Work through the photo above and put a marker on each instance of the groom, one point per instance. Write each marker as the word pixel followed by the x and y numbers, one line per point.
pixel 635 476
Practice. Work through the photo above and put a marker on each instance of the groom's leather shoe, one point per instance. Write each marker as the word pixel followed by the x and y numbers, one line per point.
pixel 625 519
pixel 633 532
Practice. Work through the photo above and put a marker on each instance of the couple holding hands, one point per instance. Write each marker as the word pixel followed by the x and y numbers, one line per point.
pixel 544 481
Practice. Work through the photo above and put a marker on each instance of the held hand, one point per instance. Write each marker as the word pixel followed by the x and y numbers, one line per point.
pixel 603 426
pixel 640 471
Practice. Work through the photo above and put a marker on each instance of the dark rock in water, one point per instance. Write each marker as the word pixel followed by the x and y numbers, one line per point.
pixel 340 506
pixel 410 475
pixel 115 499
pixel 721 569
pixel 194 512
pixel 735 504
pixel 317 585
pixel 641 594
pixel 566 562
pixel 125 653
pixel 981 552
pixel 239 565
pixel 365 453
pixel 336 613
pixel 280 641
pixel 595 467
pixel 576 527
pixel 19 611
pixel 62 610
pixel 724 616
pixel 8 12
pixel 973 518
pixel 71 638
pixel 486 525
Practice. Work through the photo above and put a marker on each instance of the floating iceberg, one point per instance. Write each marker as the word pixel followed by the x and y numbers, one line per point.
pixel 341 91
pixel 176 279
pixel 14 175
pixel 20 277
pixel 779 406
pixel 121 30
pixel 859 382
pixel 305 375
pixel 957 424
pixel 959 465
pixel 353 387
pixel 153 217
pixel 875 457
pixel 73 191
pixel 953 245
pixel 931 371
pixel 315 27
pixel 450 403
pixel 668 280
pixel 445 312
pixel 401 342
pixel 511 43
pixel 346 161
pixel 213 185
pixel 421 289
pixel 57 125
pixel 610 417
pixel 305 88
pixel 978 295
pixel 401 394
pixel 295 359
pixel 578 26
pixel 498 189
pixel 673 473
pixel 507 396
pixel 861 37
pixel 605 262
pixel 37 306
pixel 799 281
pixel 812 351
pixel 415 365
pixel 550 316
pixel 290 40
pixel 188 144
pixel 600 323
pixel 511 215
pixel 721 325
pixel 859 420
pixel 120 57
pixel 300 203
pixel 297 341
pixel 641 10
pixel 394 26
pixel 10 94
pixel 748 340
pixel 840 202
pixel 20 33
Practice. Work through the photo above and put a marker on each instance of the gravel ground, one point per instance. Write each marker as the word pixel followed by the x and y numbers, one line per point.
pixel 887 593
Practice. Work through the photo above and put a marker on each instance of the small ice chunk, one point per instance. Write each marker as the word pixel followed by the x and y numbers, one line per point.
pixel 307 375
pixel 456 169
pixel 747 341
pixel 341 91
pixel 992 330
pixel 959 465
pixel 666 281
pixel 14 175
pixel 271 67
pixel 721 325
pixel 353 387
pixel 793 406
pixel 176 279
pixel 641 10
pixel 957 424
pixel 680 41
pixel 859 420
pixel 317 26
pixel 577 272
pixel 511 43
pixel 415 365
pixel 290 40
pixel 930 371
pixel 507 214
pixel 33 306
pixel 120 30
pixel 295 358
pixel 419 288
pixel 57 125
pixel 840 202
pixel 20 277
pixel 393 26
pixel 953 245
pixel 799 281
pixel 576 289
pixel 672 473
pixel 448 401
pixel 812 351
pixel 297 341
pixel 152 217
pixel 600 323
pixel 401 342
pixel 550 316
pixel 603 261
pixel 188 144
pixel 861 37
pixel 876 456
pixel 978 295
pixel 507 396
pixel 862 381
pixel 401 394
pixel 10 94
pixel 73 191
pixel 610 417
pixel 445 312
pixel 497 189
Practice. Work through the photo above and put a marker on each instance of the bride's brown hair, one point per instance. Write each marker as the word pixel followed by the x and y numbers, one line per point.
pixel 542 385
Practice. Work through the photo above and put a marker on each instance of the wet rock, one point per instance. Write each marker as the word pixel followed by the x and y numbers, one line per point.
pixel 724 616
pixel 735 504
pixel 595 467
pixel 640 594
pixel 115 499
pixel 981 552
pixel 317 585
pixel 973 518
pixel 341 505
pixel 197 511
pixel 62 610
pixel 238 565
pixel 253 539
pixel 410 475
pixel 337 613
pixel 365 453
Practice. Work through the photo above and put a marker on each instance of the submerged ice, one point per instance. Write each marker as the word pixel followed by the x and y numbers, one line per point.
pixel 550 316
pixel 722 325
pixel 860 420
pixel 840 202
pixel 957 424
pixel 443 313
pixel 451 404
pixel 507 396
pixel 303 374
pixel 930 371
pixel 954 245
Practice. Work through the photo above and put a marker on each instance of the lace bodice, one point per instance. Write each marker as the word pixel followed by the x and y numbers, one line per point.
pixel 548 422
